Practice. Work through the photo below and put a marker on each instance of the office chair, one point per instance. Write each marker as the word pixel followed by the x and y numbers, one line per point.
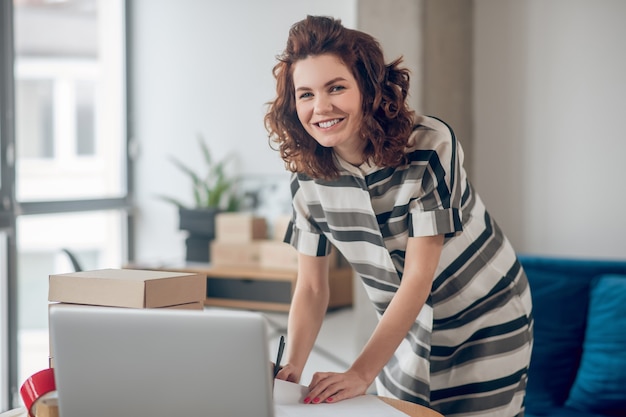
pixel 73 260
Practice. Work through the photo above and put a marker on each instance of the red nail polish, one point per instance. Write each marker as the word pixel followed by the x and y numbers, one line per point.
pixel 307 400
pixel 329 399
pixel 316 400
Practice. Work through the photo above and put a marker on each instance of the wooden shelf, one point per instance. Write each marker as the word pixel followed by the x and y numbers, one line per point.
pixel 258 288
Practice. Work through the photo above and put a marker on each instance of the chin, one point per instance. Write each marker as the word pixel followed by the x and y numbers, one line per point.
pixel 326 143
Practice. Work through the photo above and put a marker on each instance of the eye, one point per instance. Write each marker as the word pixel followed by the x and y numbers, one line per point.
pixel 305 95
pixel 337 88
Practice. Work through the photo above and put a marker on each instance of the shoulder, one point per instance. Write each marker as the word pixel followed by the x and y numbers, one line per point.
pixel 430 133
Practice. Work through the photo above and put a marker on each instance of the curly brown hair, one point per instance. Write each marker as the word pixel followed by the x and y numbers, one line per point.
pixel 387 119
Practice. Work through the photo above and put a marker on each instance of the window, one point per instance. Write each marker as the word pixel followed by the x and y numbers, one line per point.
pixel 69 99
pixel 64 165
pixel 93 237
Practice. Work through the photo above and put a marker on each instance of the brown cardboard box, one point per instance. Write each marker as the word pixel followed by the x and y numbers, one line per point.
pixel 280 227
pixel 198 305
pixel 239 227
pixel 243 254
pixel 133 288
pixel 280 255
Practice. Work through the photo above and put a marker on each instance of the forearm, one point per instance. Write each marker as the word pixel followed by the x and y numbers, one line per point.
pixel 308 308
pixel 419 270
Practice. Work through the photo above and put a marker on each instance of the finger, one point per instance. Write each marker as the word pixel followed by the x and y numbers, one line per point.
pixel 286 374
pixel 330 392
pixel 319 382
pixel 339 396
pixel 326 386
pixel 314 390
pixel 282 374
pixel 348 391
pixel 318 377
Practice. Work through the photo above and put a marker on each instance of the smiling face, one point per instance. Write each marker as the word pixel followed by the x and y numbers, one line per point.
pixel 328 103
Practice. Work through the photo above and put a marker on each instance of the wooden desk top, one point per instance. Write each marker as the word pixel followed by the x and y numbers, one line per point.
pixel 410 409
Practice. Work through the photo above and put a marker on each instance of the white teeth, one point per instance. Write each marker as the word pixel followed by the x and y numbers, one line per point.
pixel 328 123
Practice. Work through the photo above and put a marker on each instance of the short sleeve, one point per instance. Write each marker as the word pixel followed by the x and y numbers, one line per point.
pixel 436 207
pixel 303 233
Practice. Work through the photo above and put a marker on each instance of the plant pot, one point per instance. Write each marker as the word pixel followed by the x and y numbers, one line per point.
pixel 198 249
pixel 200 223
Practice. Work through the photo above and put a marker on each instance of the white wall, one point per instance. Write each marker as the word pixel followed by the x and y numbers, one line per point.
pixel 204 66
pixel 549 150
pixel 548 90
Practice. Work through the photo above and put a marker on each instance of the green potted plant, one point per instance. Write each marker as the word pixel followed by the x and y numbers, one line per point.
pixel 214 191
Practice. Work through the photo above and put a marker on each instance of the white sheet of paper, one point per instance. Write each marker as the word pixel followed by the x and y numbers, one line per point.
pixel 288 403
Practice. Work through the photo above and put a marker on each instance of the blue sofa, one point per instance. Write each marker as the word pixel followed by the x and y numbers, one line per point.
pixel 578 364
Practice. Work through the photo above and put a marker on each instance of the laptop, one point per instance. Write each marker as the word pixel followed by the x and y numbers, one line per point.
pixel 160 362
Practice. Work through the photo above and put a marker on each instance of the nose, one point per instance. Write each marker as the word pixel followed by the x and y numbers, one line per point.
pixel 323 104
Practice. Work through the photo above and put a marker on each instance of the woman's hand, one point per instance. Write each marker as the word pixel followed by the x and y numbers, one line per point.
pixel 331 387
pixel 289 373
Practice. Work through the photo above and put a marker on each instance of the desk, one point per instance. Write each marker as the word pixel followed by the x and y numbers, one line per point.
pixel 410 409
pixel 256 288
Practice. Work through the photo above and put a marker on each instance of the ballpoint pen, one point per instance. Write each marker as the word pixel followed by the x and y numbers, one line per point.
pixel 281 347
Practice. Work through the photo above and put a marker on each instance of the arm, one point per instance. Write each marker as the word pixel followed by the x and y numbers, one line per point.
pixel 422 258
pixel 306 314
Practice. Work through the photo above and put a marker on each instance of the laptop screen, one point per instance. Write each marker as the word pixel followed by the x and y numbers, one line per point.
pixel 160 362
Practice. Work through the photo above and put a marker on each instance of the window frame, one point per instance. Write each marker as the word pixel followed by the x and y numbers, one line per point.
pixel 10 208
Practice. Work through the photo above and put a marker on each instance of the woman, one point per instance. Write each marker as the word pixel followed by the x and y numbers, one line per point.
pixel 387 188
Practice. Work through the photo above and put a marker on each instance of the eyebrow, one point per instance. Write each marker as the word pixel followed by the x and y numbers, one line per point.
pixel 333 81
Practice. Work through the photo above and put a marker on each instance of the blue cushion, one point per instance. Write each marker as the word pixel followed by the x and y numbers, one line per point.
pixel 600 385
pixel 560 303
pixel 565 412
pixel 583 267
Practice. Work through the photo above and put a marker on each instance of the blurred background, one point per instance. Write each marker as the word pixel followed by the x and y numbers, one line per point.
pixel 97 95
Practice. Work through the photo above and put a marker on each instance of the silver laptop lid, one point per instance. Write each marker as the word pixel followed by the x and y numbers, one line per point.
pixel 160 362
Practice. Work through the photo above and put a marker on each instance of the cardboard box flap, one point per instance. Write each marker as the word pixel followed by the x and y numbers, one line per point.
pixel 169 291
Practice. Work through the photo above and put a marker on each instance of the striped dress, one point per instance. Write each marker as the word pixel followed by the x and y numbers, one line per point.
pixel 469 348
